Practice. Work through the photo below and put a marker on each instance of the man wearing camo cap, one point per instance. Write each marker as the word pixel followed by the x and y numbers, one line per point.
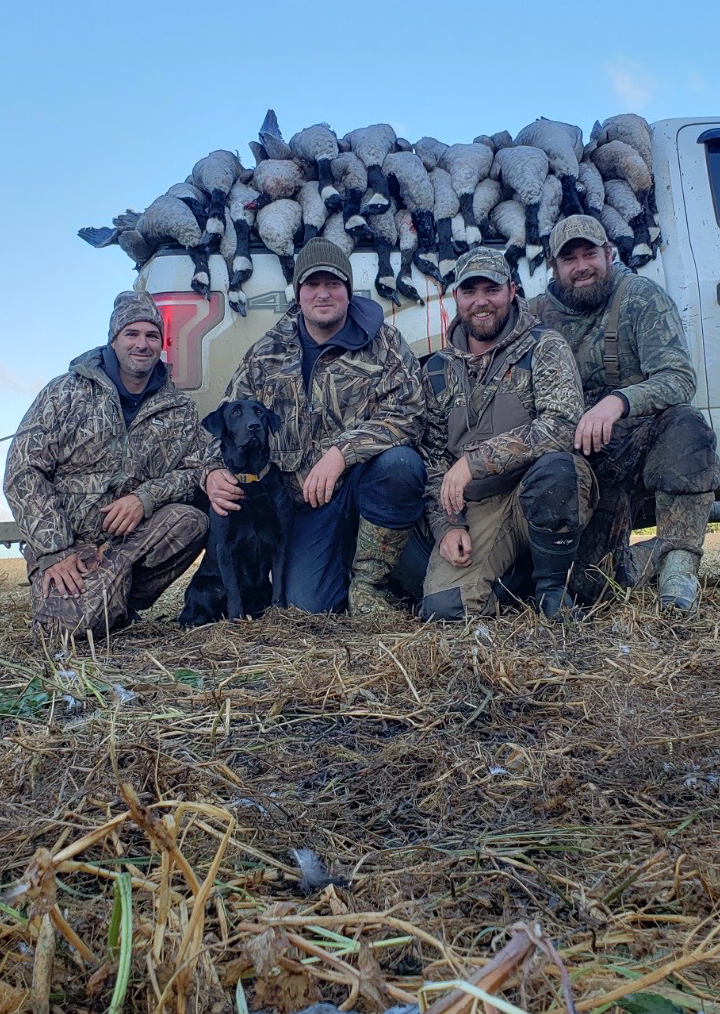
pixel 638 432
pixel 504 399
pixel 100 477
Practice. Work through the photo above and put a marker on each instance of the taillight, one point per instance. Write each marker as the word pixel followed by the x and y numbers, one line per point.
pixel 187 318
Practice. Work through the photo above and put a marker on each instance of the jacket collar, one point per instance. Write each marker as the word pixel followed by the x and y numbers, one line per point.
pixel 365 314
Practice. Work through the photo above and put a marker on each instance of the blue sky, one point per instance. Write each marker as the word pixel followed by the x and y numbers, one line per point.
pixel 107 103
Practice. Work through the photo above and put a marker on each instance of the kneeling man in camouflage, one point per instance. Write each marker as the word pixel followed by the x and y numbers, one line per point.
pixel 639 432
pixel 504 399
pixel 100 478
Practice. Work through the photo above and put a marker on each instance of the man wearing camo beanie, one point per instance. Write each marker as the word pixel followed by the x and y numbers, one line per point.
pixel 100 477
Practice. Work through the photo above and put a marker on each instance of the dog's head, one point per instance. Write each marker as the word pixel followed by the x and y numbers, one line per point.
pixel 243 427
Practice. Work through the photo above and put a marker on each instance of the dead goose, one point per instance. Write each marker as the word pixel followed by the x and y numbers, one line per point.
pixel 318 144
pixel 372 145
pixel 467 165
pixel 408 239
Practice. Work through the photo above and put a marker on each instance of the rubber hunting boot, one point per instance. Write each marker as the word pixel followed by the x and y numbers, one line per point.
pixel 376 554
pixel 553 554
pixel 678 585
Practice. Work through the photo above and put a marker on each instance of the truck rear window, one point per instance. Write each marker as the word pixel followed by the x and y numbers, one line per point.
pixel 711 140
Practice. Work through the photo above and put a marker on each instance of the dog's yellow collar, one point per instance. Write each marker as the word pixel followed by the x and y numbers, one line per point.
pixel 246 477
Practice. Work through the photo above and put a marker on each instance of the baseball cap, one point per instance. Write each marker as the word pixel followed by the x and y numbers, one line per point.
pixel 482 262
pixel 576 227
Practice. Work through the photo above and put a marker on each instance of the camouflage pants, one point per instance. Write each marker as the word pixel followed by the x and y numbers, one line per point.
pixel 670 457
pixel 557 494
pixel 124 574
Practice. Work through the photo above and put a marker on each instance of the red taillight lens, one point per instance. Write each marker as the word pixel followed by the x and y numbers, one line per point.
pixel 187 318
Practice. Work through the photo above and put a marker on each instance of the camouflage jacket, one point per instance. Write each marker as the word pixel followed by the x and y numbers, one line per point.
pixel 362 401
pixel 500 419
pixel 73 454
pixel 653 360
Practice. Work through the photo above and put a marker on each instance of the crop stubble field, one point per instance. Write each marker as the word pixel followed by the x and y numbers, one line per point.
pixel 461 780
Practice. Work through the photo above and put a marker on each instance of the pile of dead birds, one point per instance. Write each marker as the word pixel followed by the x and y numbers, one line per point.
pixel 460 786
pixel 431 200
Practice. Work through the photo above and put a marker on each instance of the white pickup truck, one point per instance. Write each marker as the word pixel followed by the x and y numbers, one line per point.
pixel 205 339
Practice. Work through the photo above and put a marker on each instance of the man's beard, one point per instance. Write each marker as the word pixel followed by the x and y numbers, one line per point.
pixel 587 297
pixel 487 331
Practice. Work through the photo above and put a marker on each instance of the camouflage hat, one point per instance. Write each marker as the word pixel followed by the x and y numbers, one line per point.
pixel 482 262
pixel 130 307
pixel 320 254
pixel 576 227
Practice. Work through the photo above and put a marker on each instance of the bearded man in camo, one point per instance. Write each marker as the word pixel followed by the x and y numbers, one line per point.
pixel 100 478
pixel 639 432
pixel 503 400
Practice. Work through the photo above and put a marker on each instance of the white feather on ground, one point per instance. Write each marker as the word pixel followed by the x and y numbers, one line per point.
pixel 313 872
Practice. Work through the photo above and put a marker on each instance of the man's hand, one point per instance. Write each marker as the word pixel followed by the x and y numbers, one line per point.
pixel 595 428
pixel 67 575
pixel 123 516
pixel 454 482
pixel 456 547
pixel 223 491
pixel 320 483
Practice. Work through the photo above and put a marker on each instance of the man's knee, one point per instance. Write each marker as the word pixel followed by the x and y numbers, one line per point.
pixel 557 492
pixel 173 528
pixel 443 605
pixel 391 488
pixel 399 469
pixel 682 457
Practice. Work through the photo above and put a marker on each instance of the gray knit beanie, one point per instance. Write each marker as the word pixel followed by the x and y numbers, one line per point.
pixel 320 254
pixel 132 306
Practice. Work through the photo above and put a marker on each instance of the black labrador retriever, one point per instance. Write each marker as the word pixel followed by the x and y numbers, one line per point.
pixel 246 546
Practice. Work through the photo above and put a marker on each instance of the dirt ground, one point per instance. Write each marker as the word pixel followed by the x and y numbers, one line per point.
pixel 457 780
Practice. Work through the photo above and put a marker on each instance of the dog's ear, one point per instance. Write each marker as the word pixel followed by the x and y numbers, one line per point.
pixel 215 422
pixel 274 420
